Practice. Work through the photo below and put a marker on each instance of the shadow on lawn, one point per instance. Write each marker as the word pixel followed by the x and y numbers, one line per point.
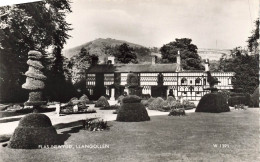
pixel 75 127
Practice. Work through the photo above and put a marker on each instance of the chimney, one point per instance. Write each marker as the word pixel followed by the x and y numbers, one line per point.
pixel 207 65
pixel 111 60
pixel 178 58
pixel 153 59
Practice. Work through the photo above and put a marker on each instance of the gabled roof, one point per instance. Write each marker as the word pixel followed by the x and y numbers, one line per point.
pixel 125 68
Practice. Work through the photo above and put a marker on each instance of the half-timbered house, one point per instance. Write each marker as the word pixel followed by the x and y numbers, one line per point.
pixel 191 85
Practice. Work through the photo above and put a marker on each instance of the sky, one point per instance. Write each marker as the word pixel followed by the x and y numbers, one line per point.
pixel 222 24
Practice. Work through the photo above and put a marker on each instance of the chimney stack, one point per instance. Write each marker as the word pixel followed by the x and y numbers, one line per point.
pixel 178 58
pixel 207 65
pixel 111 59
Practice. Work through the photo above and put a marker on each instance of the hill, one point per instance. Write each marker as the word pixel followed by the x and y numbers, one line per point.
pixel 98 47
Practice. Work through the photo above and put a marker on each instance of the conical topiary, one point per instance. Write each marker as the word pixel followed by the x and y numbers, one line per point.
pixel 212 102
pixel 132 110
pixel 34 130
pixel 35 79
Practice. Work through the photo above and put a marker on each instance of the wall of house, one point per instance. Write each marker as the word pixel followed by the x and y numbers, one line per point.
pixel 188 85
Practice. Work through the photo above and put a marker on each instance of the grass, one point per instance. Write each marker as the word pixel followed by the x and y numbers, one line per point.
pixel 164 138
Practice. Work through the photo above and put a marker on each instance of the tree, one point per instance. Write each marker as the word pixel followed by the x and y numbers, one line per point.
pixel 252 40
pixel 246 69
pixel 125 54
pixel 23 28
pixel 190 60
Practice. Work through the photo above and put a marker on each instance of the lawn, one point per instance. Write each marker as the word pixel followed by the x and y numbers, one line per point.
pixel 231 136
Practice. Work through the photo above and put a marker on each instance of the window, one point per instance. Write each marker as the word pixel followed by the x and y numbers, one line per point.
pixel 183 81
pixel 190 81
pixel 229 81
pixel 204 81
pixel 197 81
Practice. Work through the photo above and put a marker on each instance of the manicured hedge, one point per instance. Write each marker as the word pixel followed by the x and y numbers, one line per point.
pixel 212 102
pixel 33 130
pixel 132 112
pixel 131 99
pixel 232 101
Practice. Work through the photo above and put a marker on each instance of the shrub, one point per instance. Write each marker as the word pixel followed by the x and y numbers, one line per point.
pixel 232 101
pixel 84 98
pixel 188 104
pixel 112 107
pixel 165 106
pixel 241 106
pixel 171 100
pixel 144 102
pixel 131 99
pixel 132 80
pixel 212 102
pixel 150 100
pixel 145 96
pixel 102 102
pixel 156 104
pixel 95 125
pixel 34 130
pixel 132 112
pixel 120 98
pixel 177 112
pixel 254 98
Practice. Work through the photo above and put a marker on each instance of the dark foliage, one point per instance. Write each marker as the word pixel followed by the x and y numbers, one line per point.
pixel 190 60
pixel 132 112
pixel 125 54
pixel 131 99
pixel 237 100
pixel 132 80
pixel 212 102
pixel 29 32
pixel 33 130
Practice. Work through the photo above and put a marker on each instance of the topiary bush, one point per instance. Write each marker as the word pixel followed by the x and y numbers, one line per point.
pixel 188 105
pixel 84 98
pixel 212 102
pixel 34 130
pixel 177 112
pixel 131 99
pixel 102 102
pixel 156 104
pixel 165 106
pixel 120 98
pixel 132 111
pixel 35 80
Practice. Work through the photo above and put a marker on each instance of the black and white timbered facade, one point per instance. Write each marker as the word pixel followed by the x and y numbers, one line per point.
pixel 186 84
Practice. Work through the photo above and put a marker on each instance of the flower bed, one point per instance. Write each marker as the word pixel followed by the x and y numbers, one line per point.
pixel 95 125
